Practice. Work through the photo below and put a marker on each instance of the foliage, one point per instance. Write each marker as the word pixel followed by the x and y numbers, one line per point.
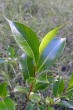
pixel 35 62
pixel 5 103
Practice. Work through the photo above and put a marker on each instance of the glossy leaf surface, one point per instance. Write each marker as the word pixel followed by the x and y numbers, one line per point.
pixel 51 53
pixel 26 38
pixel 47 38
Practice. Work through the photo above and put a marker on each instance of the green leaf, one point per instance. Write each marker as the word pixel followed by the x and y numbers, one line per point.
pixel 27 66
pixel 61 86
pixel 58 87
pixel 69 92
pixel 51 79
pixel 43 77
pixel 67 104
pixel 51 53
pixel 21 89
pixel 40 85
pixel 41 107
pixel 50 108
pixel 41 82
pixel 34 97
pixel 49 100
pixel 3 90
pixel 31 80
pixel 71 81
pixel 26 38
pixel 7 104
pixel 48 37
pixel 2 106
pixel 55 88
pixel 30 106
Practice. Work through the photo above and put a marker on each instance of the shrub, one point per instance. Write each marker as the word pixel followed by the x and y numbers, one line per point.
pixel 35 62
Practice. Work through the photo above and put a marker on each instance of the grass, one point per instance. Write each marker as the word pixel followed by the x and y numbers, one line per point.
pixel 42 16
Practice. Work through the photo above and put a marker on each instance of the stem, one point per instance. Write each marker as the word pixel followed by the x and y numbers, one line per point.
pixel 31 87
pixel 26 102
pixel 27 98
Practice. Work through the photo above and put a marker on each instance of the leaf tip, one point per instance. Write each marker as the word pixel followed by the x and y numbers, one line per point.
pixel 6 18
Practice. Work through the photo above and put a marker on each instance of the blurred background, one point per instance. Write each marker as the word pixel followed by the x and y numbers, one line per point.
pixel 42 16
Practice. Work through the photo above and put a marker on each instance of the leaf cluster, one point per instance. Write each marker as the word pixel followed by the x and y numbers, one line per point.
pixel 35 62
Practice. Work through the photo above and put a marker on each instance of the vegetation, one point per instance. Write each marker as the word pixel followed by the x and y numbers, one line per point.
pixel 28 79
pixel 34 66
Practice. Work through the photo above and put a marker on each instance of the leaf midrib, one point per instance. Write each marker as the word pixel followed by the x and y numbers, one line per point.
pixel 48 56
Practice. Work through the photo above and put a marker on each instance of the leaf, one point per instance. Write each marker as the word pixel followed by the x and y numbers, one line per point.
pixel 2 106
pixel 41 107
pixel 48 37
pixel 49 100
pixel 43 77
pixel 50 108
pixel 34 97
pixel 40 85
pixel 26 38
pixel 69 92
pixel 67 104
pixel 31 80
pixel 3 90
pixel 61 86
pixel 7 104
pixel 27 66
pixel 58 87
pixel 21 89
pixel 51 79
pixel 55 88
pixel 51 53
pixel 71 81
pixel 30 106
pixel 41 82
